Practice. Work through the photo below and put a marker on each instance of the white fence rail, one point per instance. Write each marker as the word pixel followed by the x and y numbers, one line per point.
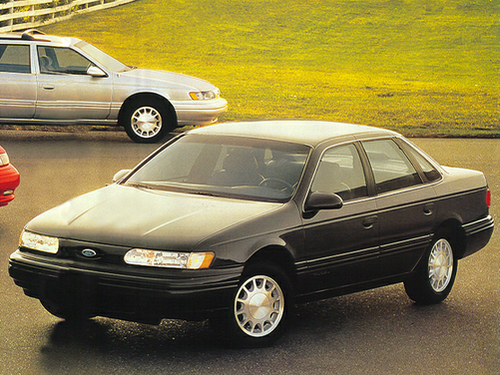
pixel 27 14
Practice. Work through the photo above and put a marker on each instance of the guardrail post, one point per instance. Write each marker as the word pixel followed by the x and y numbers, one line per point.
pixel 11 11
pixel 32 17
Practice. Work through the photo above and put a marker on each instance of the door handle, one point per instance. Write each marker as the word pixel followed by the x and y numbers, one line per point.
pixel 428 209
pixel 369 221
pixel 48 87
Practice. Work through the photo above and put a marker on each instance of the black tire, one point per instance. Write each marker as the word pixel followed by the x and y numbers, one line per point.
pixel 147 120
pixel 435 274
pixel 259 310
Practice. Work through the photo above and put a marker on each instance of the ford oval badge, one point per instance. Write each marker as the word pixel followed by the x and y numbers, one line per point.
pixel 89 253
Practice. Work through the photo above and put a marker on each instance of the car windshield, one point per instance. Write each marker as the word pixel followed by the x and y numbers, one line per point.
pixel 102 58
pixel 233 167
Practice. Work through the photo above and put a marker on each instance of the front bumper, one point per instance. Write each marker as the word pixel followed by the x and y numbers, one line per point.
pixel 127 295
pixel 199 112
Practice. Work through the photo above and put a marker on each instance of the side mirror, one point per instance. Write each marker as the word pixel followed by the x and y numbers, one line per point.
pixel 318 200
pixel 118 176
pixel 94 71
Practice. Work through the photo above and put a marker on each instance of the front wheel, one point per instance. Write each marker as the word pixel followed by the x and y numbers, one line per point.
pixel 259 311
pixel 435 274
pixel 146 120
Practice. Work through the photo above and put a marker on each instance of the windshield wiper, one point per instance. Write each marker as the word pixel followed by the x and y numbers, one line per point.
pixel 206 193
pixel 139 185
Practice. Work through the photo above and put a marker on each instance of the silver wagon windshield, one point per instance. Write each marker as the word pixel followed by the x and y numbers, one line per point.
pixel 225 166
pixel 104 59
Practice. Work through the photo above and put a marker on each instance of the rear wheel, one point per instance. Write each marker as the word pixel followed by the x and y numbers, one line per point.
pixel 146 120
pixel 435 274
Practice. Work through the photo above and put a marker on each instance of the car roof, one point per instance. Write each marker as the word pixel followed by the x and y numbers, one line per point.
pixel 308 132
pixel 37 36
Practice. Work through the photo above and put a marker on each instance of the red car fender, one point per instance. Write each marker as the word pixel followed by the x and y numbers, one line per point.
pixel 9 181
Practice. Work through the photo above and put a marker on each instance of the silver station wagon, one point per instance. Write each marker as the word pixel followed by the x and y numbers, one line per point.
pixel 56 80
pixel 237 222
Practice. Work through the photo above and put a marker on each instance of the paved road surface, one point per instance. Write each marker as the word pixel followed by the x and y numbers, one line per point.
pixel 374 332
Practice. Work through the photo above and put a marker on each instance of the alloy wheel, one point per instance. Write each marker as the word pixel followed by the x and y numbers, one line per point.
pixel 259 306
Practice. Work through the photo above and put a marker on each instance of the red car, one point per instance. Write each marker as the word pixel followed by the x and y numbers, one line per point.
pixel 9 179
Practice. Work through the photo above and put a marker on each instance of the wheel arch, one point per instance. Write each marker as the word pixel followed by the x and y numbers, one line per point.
pixel 278 256
pixel 457 233
pixel 151 96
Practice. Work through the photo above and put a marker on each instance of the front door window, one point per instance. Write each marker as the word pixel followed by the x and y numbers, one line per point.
pixel 340 172
pixel 62 61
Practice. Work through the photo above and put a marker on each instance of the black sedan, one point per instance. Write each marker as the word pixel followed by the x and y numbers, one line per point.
pixel 238 222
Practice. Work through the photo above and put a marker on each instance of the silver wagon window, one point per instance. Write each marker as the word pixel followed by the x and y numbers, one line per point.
pixel 62 61
pixel 15 58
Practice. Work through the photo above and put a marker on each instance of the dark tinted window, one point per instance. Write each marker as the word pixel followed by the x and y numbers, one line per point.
pixel 391 168
pixel 15 58
pixel 226 166
pixel 427 168
pixel 340 172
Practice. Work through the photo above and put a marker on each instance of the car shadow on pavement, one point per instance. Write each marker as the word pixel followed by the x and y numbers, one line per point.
pixel 381 309
pixel 106 335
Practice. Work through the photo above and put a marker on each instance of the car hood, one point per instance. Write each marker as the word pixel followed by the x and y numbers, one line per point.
pixel 129 216
pixel 164 78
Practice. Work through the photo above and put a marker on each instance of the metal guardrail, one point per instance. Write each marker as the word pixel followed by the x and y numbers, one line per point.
pixel 26 14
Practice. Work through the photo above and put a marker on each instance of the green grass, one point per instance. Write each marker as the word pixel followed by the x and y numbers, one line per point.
pixel 423 68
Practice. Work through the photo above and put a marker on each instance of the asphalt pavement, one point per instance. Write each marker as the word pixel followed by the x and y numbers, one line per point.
pixel 374 332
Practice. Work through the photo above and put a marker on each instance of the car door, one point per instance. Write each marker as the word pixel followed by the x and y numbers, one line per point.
pixel 405 205
pixel 18 84
pixel 342 244
pixel 66 91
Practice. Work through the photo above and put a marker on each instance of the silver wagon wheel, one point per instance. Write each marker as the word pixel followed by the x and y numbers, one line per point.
pixel 146 122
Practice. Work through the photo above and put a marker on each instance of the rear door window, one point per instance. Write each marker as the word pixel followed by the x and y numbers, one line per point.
pixel 15 58
pixel 430 173
pixel 392 170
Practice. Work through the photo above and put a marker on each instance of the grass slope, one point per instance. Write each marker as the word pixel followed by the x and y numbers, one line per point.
pixel 421 68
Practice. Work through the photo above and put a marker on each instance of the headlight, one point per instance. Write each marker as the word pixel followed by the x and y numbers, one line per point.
pixel 39 242
pixel 168 259
pixel 205 95
pixel 4 159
